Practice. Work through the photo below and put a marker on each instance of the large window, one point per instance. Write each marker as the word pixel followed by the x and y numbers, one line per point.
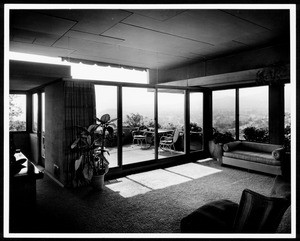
pixel 224 111
pixel 106 103
pixel 17 112
pixel 196 121
pixel 35 112
pixel 254 113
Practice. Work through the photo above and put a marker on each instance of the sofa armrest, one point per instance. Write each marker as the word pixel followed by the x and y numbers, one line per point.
pixel 278 153
pixel 231 145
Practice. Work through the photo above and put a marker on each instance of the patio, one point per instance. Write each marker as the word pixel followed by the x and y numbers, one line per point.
pixel 133 153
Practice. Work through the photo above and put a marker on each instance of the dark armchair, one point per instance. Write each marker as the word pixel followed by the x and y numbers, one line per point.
pixel 255 213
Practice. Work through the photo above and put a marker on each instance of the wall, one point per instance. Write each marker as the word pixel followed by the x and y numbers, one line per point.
pixel 21 141
pixel 54 121
pixel 227 64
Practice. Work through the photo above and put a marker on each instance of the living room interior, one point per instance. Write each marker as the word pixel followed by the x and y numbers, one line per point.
pixel 178 90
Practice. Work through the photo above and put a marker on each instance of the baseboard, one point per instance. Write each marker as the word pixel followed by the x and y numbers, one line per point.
pixel 54 179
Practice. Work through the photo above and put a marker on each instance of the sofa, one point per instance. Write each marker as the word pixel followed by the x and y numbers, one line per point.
pixel 267 158
pixel 255 213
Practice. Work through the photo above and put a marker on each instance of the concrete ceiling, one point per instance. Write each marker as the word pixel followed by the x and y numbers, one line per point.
pixel 144 38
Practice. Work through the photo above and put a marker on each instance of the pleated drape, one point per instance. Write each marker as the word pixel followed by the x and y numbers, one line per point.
pixel 79 111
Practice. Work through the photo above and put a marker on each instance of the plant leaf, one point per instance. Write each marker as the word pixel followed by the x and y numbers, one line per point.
pixel 87 172
pixel 105 118
pixel 75 143
pixel 93 128
pixel 112 120
pixel 113 125
pixel 89 140
pixel 78 162
pixel 83 129
pixel 103 158
pixel 97 119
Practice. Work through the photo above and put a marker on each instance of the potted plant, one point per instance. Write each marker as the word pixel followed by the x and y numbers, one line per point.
pixel 217 142
pixel 92 164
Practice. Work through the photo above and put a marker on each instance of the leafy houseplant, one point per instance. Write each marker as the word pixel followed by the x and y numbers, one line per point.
pixel 222 138
pixel 92 164
pixel 216 144
pixel 254 134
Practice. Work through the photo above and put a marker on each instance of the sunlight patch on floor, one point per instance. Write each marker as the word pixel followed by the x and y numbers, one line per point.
pixel 127 188
pixel 193 170
pixel 158 179
pixel 144 182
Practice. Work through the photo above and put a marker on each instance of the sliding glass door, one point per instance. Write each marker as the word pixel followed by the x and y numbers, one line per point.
pixel 138 125
pixel 151 122
pixel 170 122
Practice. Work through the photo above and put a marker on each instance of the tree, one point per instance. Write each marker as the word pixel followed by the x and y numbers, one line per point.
pixel 15 111
pixel 134 120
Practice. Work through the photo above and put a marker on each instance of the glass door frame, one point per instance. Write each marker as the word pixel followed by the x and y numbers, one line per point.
pixel 180 158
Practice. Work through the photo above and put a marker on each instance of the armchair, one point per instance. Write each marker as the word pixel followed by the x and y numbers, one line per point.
pixel 140 135
pixel 167 142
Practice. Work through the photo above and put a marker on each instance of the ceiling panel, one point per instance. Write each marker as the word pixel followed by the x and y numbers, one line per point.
pixel 21 35
pixel 34 21
pixel 93 37
pixel 160 15
pixel 155 41
pixel 27 36
pixel 133 57
pixel 213 26
pixel 269 19
pixel 90 20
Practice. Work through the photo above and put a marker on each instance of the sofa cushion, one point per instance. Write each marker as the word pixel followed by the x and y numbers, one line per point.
pixel 258 147
pixel 261 157
pixel 214 217
pixel 258 213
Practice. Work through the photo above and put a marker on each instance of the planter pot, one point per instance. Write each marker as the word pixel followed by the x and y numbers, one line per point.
pixel 97 182
pixel 216 150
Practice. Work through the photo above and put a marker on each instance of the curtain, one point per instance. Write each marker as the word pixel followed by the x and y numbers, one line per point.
pixel 79 111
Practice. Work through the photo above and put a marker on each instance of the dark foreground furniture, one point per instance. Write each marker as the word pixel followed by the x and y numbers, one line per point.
pixel 255 213
pixel 22 191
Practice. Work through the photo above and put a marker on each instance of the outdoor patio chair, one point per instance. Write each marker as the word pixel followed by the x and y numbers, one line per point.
pixel 140 135
pixel 166 143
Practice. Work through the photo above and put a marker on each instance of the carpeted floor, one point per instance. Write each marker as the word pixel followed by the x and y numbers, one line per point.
pixel 152 202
